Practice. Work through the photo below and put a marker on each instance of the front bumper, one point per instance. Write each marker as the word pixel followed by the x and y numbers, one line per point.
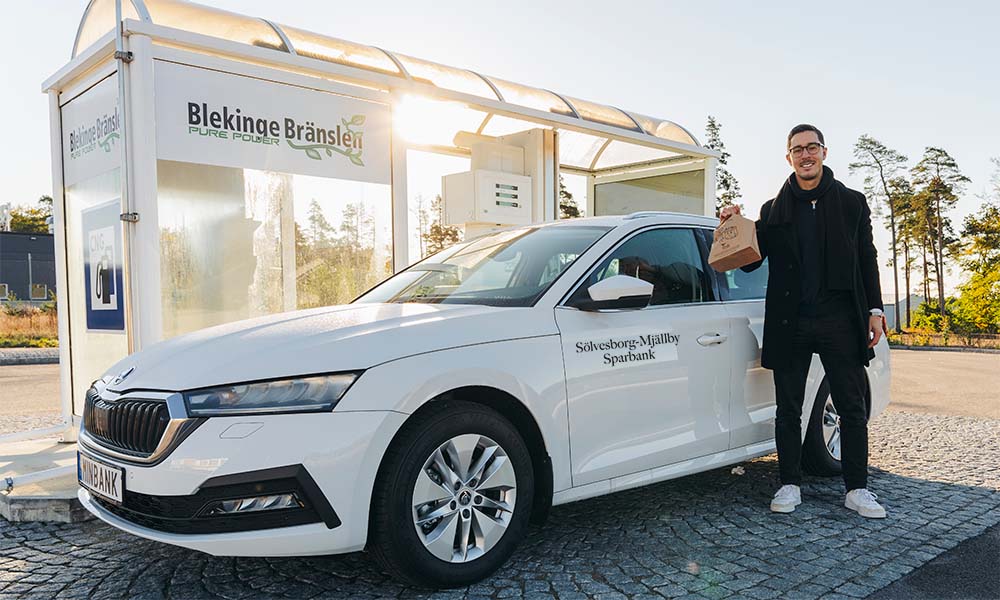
pixel 340 452
pixel 194 514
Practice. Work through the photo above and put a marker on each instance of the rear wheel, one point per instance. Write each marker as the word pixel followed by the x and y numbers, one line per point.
pixel 821 449
pixel 453 496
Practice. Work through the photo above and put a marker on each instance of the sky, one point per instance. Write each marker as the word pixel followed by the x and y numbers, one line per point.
pixel 910 73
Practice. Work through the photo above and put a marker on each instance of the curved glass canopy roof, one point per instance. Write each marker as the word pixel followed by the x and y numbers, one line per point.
pixel 580 150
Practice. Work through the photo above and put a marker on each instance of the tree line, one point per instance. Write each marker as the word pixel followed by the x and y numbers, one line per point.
pixel 925 241
pixel 31 219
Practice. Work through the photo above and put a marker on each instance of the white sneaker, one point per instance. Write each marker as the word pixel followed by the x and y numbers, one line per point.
pixel 863 502
pixel 787 498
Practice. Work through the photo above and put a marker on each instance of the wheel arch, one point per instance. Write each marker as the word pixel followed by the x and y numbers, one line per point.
pixel 515 411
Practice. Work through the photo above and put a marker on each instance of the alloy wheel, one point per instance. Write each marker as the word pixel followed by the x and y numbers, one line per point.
pixel 464 498
pixel 831 429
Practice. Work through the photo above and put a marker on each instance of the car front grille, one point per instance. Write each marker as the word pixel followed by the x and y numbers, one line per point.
pixel 133 426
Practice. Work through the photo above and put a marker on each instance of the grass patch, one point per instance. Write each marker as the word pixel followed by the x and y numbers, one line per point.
pixel 24 341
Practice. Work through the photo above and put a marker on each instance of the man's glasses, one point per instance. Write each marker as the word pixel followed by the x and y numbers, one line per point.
pixel 812 148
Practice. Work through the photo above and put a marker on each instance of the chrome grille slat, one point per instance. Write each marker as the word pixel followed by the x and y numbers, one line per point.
pixel 135 426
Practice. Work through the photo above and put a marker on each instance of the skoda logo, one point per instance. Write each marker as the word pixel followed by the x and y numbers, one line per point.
pixel 121 376
pixel 464 498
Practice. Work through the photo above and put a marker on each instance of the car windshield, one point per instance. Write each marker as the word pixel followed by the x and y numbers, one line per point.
pixel 507 268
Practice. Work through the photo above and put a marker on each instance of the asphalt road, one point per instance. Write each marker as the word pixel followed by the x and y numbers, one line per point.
pixel 962 384
pixel 29 390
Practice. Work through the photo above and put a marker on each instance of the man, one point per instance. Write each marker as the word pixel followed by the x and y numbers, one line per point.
pixel 823 297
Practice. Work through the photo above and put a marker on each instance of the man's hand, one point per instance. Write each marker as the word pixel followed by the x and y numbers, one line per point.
pixel 728 212
pixel 874 330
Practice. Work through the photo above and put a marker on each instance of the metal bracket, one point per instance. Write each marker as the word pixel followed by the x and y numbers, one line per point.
pixel 131 217
pixel 123 56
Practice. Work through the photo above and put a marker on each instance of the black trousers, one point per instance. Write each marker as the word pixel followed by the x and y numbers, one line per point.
pixel 834 338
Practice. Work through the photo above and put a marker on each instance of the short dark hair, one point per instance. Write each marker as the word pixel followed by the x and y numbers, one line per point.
pixel 804 127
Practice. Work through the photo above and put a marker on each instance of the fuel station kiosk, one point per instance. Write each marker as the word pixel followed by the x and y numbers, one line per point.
pixel 209 166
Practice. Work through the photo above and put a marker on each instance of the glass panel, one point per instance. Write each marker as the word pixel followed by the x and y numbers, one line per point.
pixel 214 22
pixel 620 153
pixel 677 192
pixel 522 95
pixel 600 113
pixel 664 129
pixel 92 351
pixel 238 243
pixel 507 268
pixel 667 258
pixel 427 232
pixel 738 285
pixel 420 120
pixel 446 77
pixel 337 51
pixel 572 193
pixel 500 125
pixel 578 149
pixel 100 19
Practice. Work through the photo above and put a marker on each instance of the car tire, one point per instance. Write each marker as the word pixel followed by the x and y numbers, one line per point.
pixel 821 449
pixel 425 532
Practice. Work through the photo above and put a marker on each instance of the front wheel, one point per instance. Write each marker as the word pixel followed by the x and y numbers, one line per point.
pixel 453 496
pixel 821 449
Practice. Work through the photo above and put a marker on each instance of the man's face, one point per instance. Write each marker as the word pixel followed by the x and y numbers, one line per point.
pixel 807 166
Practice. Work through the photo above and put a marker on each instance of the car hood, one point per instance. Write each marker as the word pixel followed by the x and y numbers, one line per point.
pixel 336 338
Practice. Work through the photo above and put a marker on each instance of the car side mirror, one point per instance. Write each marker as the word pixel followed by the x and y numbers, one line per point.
pixel 618 292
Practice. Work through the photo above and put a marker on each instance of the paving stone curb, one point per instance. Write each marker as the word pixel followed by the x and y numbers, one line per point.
pixel 29 356
pixel 948 349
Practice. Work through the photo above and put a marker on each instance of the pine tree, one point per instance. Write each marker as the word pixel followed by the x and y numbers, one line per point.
pixel 881 165
pixel 727 187
pixel 320 231
pixel 939 175
pixel 901 194
pixel 568 208
pixel 439 236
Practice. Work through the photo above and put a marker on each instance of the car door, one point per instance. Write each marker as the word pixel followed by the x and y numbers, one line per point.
pixel 752 405
pixel 647 387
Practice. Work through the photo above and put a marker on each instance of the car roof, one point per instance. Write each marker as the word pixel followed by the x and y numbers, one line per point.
pixel 639 219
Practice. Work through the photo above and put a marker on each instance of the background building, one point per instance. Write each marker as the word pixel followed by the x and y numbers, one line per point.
pixel 27 267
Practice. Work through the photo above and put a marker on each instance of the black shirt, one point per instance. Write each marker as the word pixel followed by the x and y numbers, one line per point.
pixel 814 298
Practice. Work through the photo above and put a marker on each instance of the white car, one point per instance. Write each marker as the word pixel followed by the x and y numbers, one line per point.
pixel 432 418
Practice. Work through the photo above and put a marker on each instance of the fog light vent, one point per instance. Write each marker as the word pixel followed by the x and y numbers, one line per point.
pixel 254 504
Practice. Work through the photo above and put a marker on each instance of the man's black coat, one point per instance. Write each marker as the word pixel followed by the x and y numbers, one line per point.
pixel 849 258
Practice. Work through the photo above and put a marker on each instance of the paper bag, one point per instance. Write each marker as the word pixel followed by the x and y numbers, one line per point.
pixel 734 244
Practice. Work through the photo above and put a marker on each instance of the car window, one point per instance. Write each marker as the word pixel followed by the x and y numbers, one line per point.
pixel 556 265
pixel 745 286
pixel 508 268
pixel 737 284
pixel 667 258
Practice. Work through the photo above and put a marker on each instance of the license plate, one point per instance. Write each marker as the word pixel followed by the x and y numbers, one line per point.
pixel 104 480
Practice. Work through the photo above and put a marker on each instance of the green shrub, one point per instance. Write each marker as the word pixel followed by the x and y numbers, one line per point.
pixel 24 341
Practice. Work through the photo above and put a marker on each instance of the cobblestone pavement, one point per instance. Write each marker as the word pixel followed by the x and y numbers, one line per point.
pixel 704 536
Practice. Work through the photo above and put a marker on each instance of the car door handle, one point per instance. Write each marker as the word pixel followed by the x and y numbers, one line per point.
pixel 710 339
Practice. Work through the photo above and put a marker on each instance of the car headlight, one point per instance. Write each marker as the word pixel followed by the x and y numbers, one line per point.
pixel 301 394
